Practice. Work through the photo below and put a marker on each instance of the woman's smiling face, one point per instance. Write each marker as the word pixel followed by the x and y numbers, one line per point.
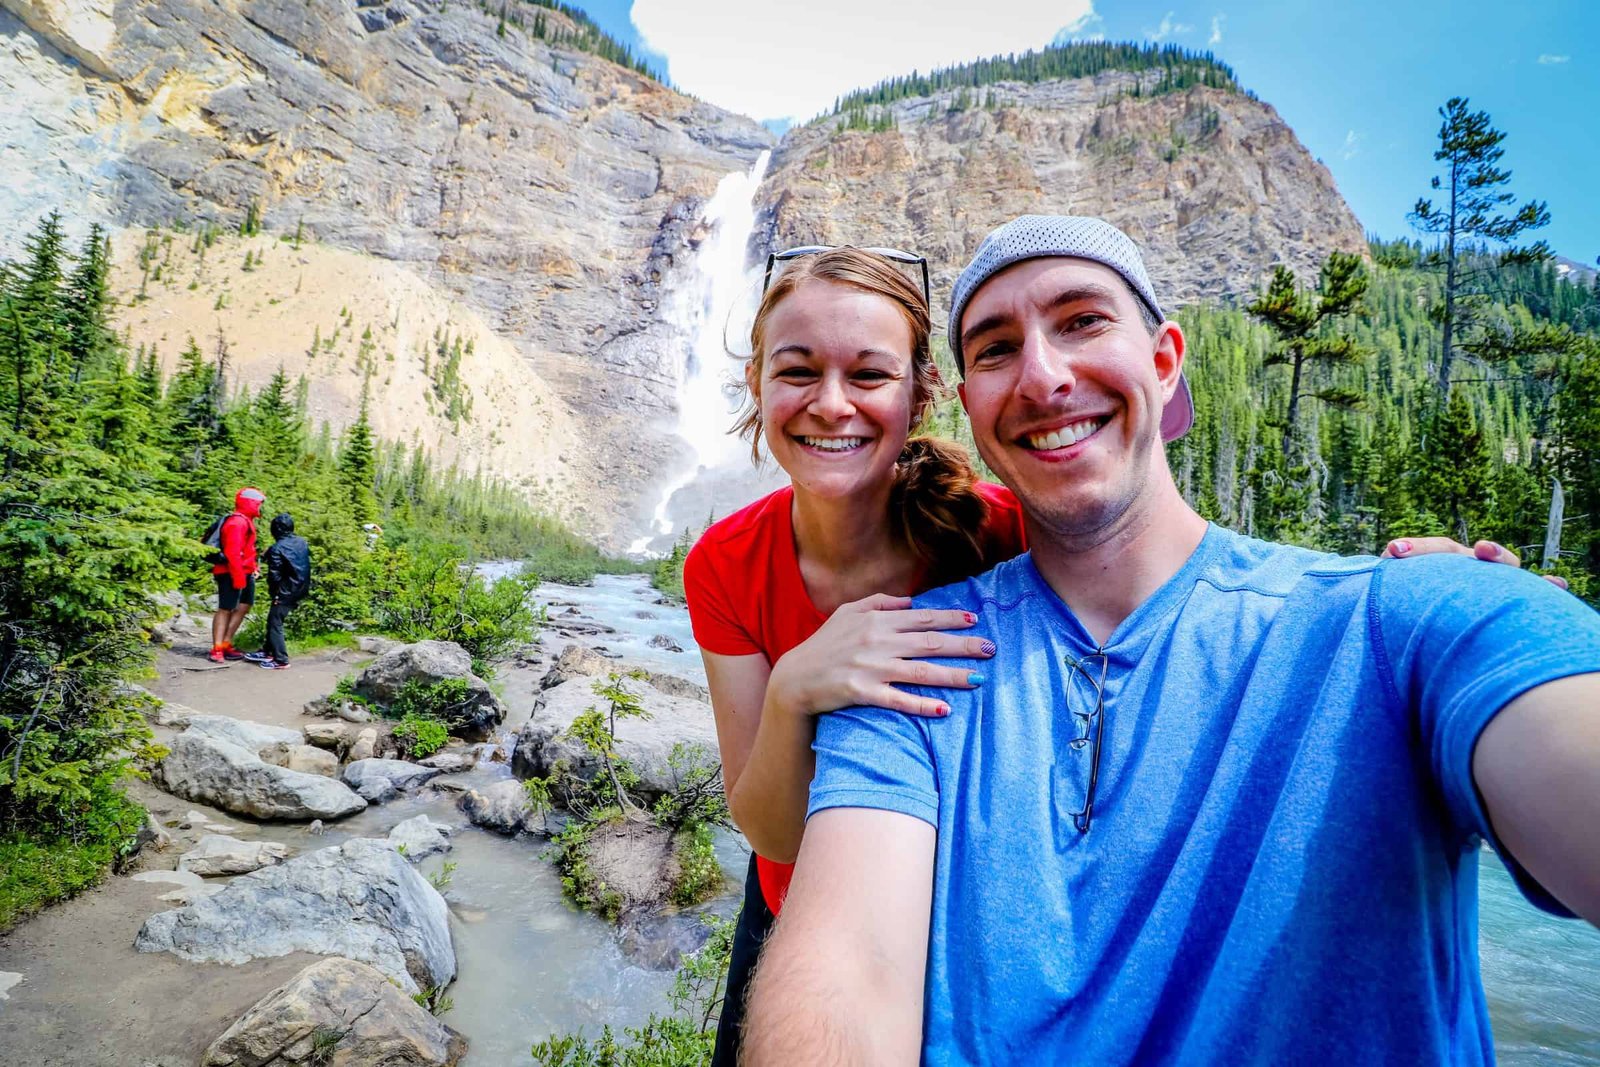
pixel 835 388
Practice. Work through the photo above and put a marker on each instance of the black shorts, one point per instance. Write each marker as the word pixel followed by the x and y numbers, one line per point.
pixel 229 598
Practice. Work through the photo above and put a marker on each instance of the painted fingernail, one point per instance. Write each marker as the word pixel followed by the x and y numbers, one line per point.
pixel 987 648
pixel 975 678
pixel 970 617
pixel 1401 547
pixel 1493 549
pixel 942 710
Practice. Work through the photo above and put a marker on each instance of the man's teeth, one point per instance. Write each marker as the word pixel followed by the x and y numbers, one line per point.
pixel 1067 435
pixel 834 444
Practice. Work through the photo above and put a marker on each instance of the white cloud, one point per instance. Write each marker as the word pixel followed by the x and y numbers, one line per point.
pixel 1548 59
pixel 1352 145
pixel 1088 27
pixel 1216 29
pixel 1168 28
pixel 792 60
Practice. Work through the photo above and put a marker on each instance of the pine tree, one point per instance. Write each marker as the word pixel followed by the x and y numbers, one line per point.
pixel 358 465
pixel 1304 342
pixel 1474 212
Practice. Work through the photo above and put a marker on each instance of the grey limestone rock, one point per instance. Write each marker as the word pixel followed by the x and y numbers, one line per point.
pixel 217 854
pixel 403 774
pixel 421 836
pixel 502 807
pixel 360 900
pixel 251 735
pixel 376 1024
pixel 430 662
pixel 646 743
pixel 234 779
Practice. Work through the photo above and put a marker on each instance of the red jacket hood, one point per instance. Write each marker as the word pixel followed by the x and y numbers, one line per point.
pixel 248 502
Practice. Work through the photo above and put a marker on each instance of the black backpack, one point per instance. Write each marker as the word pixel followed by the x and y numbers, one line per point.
pixel 213 539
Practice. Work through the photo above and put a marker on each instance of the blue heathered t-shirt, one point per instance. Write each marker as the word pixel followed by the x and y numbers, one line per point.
pixel 1282 864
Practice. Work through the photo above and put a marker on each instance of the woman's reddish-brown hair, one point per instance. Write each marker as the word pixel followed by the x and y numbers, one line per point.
pixel 933 504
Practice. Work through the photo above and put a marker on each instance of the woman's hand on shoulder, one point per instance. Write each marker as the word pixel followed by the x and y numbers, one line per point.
pixel 868 645
pixel 1488 551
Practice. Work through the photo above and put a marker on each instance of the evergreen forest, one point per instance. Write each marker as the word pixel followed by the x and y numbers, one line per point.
pixel 110 473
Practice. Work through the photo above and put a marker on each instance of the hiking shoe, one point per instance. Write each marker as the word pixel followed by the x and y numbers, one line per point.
pixel 232 654
pixel 216 656
pixel 256 657
pixel 273 665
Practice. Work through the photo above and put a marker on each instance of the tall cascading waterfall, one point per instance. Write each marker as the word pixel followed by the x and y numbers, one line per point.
pixel 718 286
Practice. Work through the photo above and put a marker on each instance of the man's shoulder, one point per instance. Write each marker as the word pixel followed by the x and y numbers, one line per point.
pixel 1236 562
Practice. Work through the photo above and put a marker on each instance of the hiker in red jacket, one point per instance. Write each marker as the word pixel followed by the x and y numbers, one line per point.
pixel 236 575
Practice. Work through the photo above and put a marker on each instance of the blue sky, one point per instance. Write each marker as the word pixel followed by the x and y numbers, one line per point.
pixel 1359 81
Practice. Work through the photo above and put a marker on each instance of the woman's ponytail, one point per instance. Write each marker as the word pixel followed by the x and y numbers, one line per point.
pixel 938 510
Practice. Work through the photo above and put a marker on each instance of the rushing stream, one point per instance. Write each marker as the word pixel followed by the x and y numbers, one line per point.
pixel 531 965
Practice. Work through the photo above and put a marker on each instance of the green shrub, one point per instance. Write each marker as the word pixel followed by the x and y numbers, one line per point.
pixel 38 870
pixel 424 736
pixel 699 874
pixel 441 701
pixel 430 592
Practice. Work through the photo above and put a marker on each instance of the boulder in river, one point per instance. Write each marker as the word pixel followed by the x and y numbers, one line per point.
pixel 646 743
pixel 402 774
pixel 581 661
pixel 502 807
pixel 342 1012
pixel 421 836
pixel 222 774
pixel 360 900
pixel 429 662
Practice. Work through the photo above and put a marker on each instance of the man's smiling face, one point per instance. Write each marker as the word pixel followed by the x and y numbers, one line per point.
pixel 1065 386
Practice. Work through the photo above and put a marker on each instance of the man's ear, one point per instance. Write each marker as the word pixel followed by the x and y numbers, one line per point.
pixel 1170 348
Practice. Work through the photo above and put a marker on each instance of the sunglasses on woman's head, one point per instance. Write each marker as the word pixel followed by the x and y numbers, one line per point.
pixel 908 258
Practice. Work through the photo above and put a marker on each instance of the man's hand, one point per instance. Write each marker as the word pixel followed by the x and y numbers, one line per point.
pixel 840 980
pixel 1537 766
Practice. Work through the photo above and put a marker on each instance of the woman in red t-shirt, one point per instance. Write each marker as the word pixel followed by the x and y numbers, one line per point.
pixel 800 601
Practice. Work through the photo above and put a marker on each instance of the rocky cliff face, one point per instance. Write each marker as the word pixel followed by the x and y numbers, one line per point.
pixel 543 203
pixel 549 191
pixel 1213 185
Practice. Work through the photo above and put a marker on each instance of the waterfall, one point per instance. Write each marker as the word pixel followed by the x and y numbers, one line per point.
pixel 717 284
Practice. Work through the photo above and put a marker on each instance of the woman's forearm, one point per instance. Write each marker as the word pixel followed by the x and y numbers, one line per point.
pixel 769 799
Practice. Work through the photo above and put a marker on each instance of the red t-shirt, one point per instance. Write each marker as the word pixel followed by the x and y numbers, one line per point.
pixel 746 595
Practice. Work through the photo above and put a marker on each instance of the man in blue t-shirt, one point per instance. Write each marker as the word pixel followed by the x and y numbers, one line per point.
pixel 1221 800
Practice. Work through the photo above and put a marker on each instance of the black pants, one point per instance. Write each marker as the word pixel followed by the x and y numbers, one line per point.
pixel 275 619
pixel 755 923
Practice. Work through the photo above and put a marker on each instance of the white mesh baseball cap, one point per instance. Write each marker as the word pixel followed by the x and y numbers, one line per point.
pixel 1036 236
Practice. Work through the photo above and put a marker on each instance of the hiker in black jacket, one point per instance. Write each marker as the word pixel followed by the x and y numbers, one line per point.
pixel 288 580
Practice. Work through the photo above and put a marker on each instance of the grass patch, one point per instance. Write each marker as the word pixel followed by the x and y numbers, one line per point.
pixel 36 872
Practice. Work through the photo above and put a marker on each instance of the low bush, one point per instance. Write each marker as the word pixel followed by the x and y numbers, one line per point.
pixel 36 871
pixel 430 592
pixel 423 736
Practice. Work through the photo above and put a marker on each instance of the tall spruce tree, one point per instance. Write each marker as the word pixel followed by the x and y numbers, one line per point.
pixel 358 465
pixel 1300 321
pixel 1477 211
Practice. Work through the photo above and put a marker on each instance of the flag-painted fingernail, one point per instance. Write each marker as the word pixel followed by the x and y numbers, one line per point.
pixel 1401 547
pixel 942 710
pixel 987 648
pixel 970 617
pixel 975 678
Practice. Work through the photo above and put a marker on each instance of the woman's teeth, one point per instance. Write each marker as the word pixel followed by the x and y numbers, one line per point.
pixel 833 444
pixel 1067 435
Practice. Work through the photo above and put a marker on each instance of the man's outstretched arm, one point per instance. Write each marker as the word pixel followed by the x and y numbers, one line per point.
pixel 840 980
pixel 1537 767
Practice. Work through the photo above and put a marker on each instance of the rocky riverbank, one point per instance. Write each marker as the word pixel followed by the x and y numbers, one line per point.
pixel 281 839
